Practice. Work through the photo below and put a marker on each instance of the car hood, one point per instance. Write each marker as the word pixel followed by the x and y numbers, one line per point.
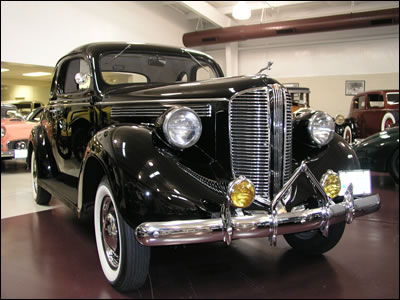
pixel 224 87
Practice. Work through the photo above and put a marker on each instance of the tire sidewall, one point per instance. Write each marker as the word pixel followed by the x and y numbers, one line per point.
pixel 387 116
pixel 394 167
pixel 346 130
pixel 112 275
pixel 33 169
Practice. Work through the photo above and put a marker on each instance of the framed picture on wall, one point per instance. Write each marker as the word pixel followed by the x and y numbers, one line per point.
pixel 353 87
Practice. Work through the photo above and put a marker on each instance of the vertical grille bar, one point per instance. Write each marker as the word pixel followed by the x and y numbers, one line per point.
pixel 260 129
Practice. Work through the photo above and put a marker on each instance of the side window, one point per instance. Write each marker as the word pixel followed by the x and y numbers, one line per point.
pixel 392 98
pixel 356 103
pixel 67 84
pixel 375 101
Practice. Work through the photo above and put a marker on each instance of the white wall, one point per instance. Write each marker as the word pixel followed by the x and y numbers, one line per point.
pixel 41 32
pixel 324 61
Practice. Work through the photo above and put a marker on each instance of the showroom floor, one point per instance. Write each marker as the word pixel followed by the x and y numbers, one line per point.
pixel 47 253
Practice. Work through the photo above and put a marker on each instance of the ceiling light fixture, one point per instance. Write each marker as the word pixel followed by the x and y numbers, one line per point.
pixel 36 74
pixel 4 70
pixel 241 11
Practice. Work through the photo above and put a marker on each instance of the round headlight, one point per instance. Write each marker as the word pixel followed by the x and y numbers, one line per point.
pixel 182 127
pixel 3 132
pixel 241 192
pixel 321 127
pixel 339 120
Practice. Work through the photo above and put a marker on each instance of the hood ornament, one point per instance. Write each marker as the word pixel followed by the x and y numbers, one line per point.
pixel 268 67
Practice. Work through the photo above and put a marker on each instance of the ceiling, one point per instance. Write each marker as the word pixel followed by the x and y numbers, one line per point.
pixel 16 71
pixel 218 14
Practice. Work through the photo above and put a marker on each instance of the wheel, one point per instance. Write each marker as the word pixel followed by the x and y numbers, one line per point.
pixel 347 135
pixel 40 195
pixel 388 121
pixel 124 261
pixel 313 242
pixel 394 166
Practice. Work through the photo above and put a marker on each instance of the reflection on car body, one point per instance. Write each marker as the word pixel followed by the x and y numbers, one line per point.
pixel 380 152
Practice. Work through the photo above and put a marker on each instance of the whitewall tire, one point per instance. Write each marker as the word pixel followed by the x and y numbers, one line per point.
pixel 40 195
pixel 388 121
pixel 347 135
pixel 124 261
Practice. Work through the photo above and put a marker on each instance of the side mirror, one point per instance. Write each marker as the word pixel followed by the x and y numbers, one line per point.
pixel 82 78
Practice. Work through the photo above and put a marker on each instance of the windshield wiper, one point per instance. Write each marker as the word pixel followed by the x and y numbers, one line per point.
pixel 119 54
pixel 194 58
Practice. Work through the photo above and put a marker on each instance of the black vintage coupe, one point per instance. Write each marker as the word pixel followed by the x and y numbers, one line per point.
pixel 165 150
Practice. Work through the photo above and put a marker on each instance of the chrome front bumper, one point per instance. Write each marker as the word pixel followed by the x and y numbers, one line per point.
pixel 212 230
pixel 261 224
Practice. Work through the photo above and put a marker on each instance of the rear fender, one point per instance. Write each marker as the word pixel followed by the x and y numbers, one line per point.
pixel 39 142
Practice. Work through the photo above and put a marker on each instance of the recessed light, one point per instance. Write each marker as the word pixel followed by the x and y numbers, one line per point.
pixel 4 70
pixel 36 74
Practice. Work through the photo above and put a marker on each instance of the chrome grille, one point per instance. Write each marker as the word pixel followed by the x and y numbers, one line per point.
pixel 260 135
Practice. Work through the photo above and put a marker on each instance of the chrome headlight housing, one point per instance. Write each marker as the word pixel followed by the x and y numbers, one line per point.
pixel 339 120
pixel 182 127
pixel 321 128
pixel 3 132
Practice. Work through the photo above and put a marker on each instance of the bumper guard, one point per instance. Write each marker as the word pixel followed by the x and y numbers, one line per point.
pixel 227 228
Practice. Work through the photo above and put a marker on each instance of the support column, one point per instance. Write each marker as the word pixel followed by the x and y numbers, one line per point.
pixel 232 59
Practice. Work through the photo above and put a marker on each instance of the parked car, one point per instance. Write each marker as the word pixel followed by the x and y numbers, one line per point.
pixel 370 112
pixel 172 152
pixel 24 107
pixel 15 131
pixel 300 97
pixel 380 152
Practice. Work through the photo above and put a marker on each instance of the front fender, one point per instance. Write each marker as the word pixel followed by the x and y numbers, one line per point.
pixel 337 155
pixel 147 184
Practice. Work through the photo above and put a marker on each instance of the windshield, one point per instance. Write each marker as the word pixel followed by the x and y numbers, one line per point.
pixel 7 112
pixel 134 68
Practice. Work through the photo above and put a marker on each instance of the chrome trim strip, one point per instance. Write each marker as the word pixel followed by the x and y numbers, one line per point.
pixel 160 101
pixel 204 110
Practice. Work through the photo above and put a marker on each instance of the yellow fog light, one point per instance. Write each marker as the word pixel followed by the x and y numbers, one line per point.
pixel 330 181
pixel 241 192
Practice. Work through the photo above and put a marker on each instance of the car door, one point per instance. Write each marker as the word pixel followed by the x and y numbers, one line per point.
pixel 375 109
pixel 71 115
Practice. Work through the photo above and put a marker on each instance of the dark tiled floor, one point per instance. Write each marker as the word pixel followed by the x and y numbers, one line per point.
pixel 50 254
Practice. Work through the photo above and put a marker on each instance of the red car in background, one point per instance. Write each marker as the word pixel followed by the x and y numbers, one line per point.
pixel 370 112
pixel 15 131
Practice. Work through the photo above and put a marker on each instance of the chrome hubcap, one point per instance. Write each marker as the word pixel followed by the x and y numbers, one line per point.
pixel 388 124
pixel 109 225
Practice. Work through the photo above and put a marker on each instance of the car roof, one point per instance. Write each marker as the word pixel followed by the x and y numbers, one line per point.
pixel 376 91
pixel 99 47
